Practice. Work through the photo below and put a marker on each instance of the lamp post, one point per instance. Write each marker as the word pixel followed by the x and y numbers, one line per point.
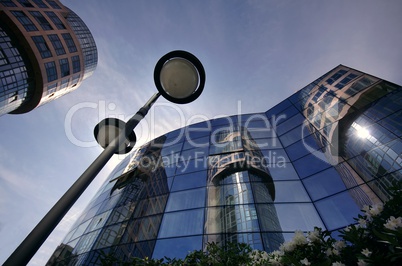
pixel 179 77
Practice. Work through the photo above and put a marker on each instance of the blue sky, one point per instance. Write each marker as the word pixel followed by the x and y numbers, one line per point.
pixel 255 54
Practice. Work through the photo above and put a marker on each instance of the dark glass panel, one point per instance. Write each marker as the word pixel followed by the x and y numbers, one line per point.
pixel 188 199
pixel 194 153
pixel 283 172
pixel 202 142
pixel 142 229
pixel 231 219
pixel 182 223
pixel 290 123
pixel 188 166
pixel 170 149
pixel 192 180
pixel 290 191
pixel 323 184
pixel 302 216
pixel 275 111
pixel 338 211
pixel 177 247
pixel 302 147
pixel 276 157
pixel 311 164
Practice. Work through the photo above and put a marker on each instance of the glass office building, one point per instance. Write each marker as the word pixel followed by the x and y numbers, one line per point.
pixel 46 51
pixel 315 159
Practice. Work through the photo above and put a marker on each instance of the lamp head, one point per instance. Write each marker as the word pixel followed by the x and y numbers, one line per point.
pixel 179 77
pixel 109 129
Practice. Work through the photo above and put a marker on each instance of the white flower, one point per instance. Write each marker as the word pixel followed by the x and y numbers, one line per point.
pixel 361 262
pixel 338 245
pixel 348 228
pixel 376 209
pixel 366 208
pixel 366 252
pixel 277 253
pixel 287 246
pixel 274 262
pixel 393 223
pixel 362 222
pixel 338 264
pixel 305 262
pixel 299 238
pixel 314 236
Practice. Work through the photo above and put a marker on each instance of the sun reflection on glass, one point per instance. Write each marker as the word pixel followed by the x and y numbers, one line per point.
pixel 361 132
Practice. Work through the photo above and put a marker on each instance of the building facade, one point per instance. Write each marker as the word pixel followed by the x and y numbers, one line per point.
pixel 46 51
pixel 315 159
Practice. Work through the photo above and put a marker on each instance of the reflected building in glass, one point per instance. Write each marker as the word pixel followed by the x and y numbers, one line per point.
pixel 315 159
pixel 46 51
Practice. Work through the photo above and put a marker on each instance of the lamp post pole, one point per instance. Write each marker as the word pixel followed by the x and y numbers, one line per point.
pixel 179 77
pixel 27 249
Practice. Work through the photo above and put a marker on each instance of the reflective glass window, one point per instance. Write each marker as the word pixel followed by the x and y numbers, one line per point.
pixel 182 223
pixel 231 219
pixel 258 121
pixel 76 63
pixel 323 184
pixel 24 20
pixel 188 199
pixel 283 116
pixel 345 80
pixel 40 3
pixel 316 162
pixel 98 221
pixel 8 3
pixel 25 3
pixel 41 20
pixel 110 236
pixel 292 136
pixel 290 191
pixel 81 229
pixel 230 194
pixel 258 133
pixel 170 149
pixel 302 216
pixel 59 24
pixel 359 85
pixel 86 242
pixel 57 45
pixel 53 4
pixel 275 111
pixel 338 211
pixel 290 123
pixel 277 157
pixel 302 147
pixel 142 229
pixel 42 46
pixel 182 246
pixel 336 76
pixel 198 130
pixel 283 172
pixel 188 166
pixel 194 153
pixel 192 180
pixel 64 67
pixel 202 142
pixel 51 71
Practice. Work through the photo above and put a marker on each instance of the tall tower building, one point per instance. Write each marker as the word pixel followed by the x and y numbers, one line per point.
pixel 314 159
pixel 46 51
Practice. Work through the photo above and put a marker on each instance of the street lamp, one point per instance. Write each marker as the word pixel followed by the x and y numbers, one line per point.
pixel 180 78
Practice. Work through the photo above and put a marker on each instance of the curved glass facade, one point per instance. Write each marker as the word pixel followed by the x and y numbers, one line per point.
pixel 46 51
pixel 314 159
pixel 14 76
pixel 87 43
